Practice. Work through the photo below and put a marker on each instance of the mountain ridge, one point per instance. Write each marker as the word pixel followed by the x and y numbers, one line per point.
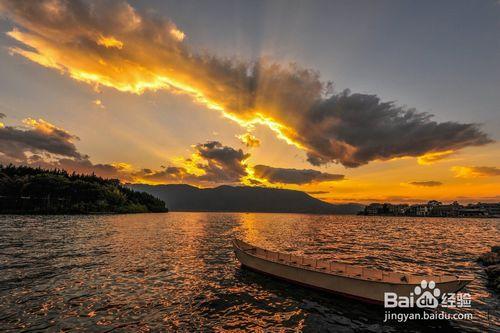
pixel 226 198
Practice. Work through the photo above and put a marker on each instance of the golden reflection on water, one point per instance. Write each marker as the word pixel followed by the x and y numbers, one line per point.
pixel 177 271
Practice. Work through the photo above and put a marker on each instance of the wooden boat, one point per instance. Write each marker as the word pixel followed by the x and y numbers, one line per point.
pixel 352 281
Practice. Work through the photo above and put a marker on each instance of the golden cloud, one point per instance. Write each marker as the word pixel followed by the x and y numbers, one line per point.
pixel 22 145
pixel 475 171
pixel 249 140
pixel 41 144
pixel 111 44
pixel 433 157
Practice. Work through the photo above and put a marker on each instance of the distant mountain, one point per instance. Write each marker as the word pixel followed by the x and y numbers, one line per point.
pixel 182 197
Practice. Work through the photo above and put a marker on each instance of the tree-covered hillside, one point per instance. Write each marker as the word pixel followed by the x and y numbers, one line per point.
pixel 28 190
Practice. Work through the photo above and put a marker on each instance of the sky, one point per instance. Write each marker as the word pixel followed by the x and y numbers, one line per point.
pixel 359 101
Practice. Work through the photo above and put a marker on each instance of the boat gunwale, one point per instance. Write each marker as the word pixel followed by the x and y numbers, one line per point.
pixel 311 269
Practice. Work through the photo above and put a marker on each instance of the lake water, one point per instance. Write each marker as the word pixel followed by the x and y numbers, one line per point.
pixel 177 271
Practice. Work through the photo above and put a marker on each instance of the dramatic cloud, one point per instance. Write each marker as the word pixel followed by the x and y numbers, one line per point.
pixel 429 183
pixel 214 163
pixel 293 176
pixel 211 162
pixel 40 143
pixel 43 144
pixel 361 128
pixel 249 140
pixel 221 164
pixel 39 136
pixel 109 43
pixel 475 171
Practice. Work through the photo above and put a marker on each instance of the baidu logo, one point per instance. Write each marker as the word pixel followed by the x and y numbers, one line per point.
pixel 425 295
pixel 428 294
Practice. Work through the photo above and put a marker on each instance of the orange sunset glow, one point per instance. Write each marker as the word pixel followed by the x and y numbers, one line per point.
pixel 129 93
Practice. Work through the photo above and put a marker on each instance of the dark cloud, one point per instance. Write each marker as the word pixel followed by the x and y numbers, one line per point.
pixel 355 129
pixel 119 47
pixel 428 183
pixel 212 162
pixel 87 167
pixel 318 192
pixel 294 176
pixel 225 165
pixel 175 170
pixel 221 164
pixel 78 165
pixel 256 182
pixel 84 166
pixel 16 144
pixel 167 174
pixel 42 144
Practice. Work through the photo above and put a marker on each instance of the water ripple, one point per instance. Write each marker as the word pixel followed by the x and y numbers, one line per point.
pixel 177 272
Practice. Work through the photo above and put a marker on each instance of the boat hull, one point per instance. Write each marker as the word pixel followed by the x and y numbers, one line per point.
pixel 365 290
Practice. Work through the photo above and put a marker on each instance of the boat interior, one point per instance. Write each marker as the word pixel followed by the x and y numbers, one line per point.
pixel 339 269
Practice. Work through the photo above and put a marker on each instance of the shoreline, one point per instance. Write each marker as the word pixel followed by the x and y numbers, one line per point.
pixel 244 212
pixel 444 217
